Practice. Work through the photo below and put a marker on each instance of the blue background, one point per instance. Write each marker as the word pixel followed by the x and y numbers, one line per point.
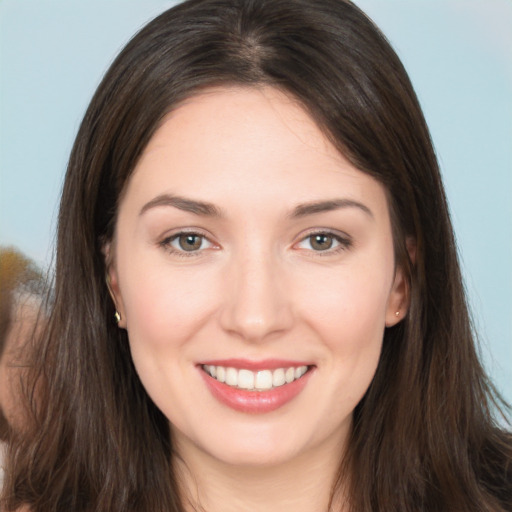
pixel 458 54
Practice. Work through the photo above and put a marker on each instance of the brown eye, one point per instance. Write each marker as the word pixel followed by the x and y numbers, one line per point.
pixel 324 242
pixel 189 241
pixel 321 241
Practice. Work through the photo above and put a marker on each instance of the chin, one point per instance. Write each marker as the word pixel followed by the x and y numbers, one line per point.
pixel 256 456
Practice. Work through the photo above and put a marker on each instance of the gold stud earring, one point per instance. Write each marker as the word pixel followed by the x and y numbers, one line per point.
pixel 117 317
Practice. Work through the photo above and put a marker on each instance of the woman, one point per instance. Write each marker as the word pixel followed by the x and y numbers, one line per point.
pixel 254 198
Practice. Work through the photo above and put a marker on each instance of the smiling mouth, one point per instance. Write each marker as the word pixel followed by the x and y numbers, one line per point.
pixel 263 380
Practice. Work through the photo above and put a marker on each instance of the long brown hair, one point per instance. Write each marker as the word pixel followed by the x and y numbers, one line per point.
pixel 424 437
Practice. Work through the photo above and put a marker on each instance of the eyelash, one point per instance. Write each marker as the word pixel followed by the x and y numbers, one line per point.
pixel 344 243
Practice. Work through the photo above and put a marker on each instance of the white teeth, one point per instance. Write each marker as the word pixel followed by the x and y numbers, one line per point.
pixel 300 371
pixel 221 374
pixel 231 377
pixel 245 379
pixel 263 380
pixel 255 381
pixel 278 377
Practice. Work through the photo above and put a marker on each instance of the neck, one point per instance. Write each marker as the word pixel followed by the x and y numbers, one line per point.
pixel 304 484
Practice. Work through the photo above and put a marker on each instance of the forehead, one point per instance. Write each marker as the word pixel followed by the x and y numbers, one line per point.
pixel 259 141
pixel 227 115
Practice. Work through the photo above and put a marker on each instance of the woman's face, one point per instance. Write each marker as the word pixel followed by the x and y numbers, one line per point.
pixel 253 269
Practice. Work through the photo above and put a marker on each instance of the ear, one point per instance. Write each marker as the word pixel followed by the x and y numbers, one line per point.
pixel 112 283
pixel 398 300
pixel 399 297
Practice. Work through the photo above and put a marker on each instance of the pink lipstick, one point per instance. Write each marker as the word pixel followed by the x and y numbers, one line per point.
pixel 255 386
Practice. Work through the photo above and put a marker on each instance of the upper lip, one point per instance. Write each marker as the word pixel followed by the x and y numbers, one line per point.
pixel 253 365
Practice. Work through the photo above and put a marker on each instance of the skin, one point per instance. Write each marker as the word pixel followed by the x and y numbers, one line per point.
pixel 256 288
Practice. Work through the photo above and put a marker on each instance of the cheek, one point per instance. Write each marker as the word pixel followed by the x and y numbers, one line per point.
pixel 347 302
pixel 165 306
pixel 348 313
pixel 166 311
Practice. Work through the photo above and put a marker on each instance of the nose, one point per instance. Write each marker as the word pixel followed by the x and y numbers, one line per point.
pixel 257 304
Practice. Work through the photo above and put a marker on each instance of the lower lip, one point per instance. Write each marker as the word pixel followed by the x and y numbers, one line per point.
pixel 255 402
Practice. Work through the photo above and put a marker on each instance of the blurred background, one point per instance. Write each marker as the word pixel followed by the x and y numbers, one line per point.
pixel 53 54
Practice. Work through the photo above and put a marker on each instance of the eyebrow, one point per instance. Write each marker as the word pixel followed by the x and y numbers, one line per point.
pixel 311 208
pixel 210 210
pixel 183 203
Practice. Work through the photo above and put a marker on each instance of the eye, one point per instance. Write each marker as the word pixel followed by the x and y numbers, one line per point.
pixel 324 242
pixel 187 242
pixel 321 241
